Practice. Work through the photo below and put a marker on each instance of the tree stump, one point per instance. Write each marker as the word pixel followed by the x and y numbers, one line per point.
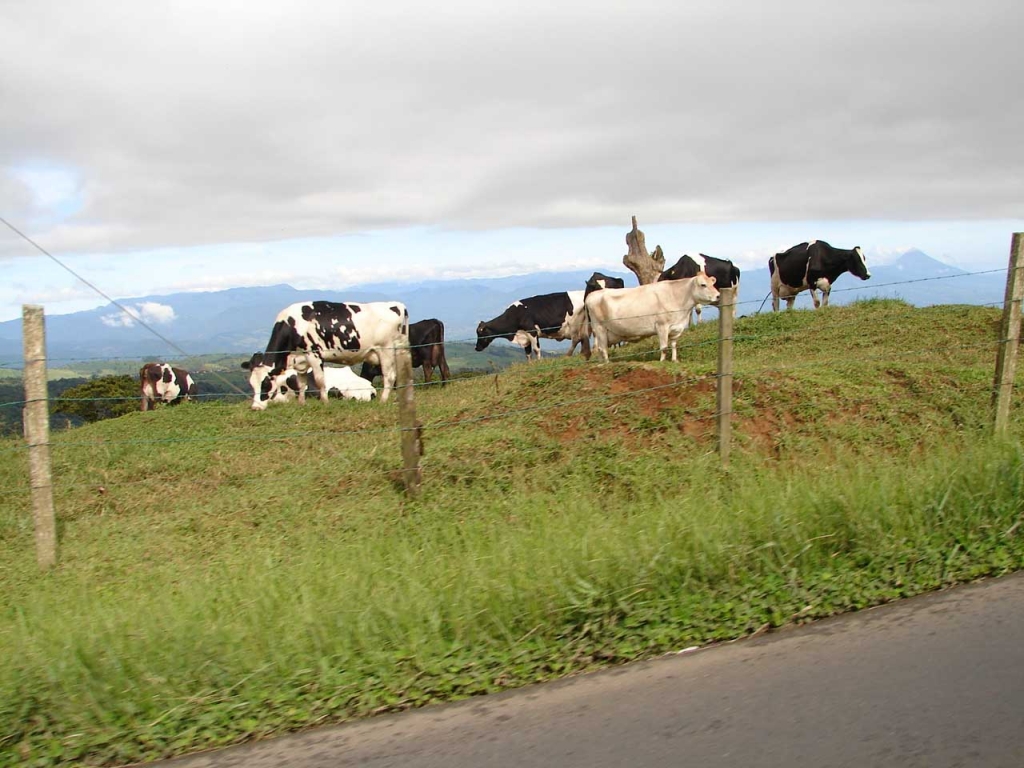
pixel 646 266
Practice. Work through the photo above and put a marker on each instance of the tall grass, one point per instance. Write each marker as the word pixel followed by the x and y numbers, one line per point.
pixel 279 578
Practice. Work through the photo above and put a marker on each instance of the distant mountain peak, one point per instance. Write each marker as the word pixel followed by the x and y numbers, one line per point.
pixel 916 260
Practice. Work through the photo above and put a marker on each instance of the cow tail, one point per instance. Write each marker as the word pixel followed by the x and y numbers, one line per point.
pixel 771 266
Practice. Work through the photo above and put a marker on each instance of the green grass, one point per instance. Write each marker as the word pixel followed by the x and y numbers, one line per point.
pixel 226 575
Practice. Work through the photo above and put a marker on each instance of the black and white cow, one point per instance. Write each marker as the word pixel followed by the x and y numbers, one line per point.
pixel 426 342
pixel 814 266
pixel 558 316
pixel 726 274
pixel 659 309
pixel 597 281
pixel 159 382
pixel 291 384
pixel 307 334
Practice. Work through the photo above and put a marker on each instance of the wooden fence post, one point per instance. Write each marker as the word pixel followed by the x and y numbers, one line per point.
pixel 37 434
pixel 1009 335
pixel 412 442
pixel 726 313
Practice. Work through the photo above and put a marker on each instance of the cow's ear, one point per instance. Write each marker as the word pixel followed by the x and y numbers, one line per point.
pixel 245 365
pixel 711 279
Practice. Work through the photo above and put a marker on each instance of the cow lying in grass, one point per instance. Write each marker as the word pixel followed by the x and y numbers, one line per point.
pixel 159 382
pixel 290 384
pixel 659 309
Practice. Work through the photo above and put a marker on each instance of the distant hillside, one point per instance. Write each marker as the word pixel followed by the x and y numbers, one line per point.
pixel 238 320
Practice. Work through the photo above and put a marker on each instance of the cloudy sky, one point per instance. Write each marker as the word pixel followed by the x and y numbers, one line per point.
pixel 158 147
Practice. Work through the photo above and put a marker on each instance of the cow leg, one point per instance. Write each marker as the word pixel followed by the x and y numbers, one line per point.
pixel 428 371
pixel 388 371
pixel 601 341
pixel 585 347
pixel 775 301
pixel 303 384
pixel 442 363
pixel 825 287
pixel 663 341
pixel 696 308
pixel 536 339
pixel 316 367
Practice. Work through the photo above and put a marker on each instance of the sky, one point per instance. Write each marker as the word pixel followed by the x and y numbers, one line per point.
pixel 162 147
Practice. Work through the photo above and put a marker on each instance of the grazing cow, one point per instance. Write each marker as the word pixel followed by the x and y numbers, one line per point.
pixel 159 382
pixel 726 274
pixel 307 334
pixel 815 266
pixel 426 342
pixel 597 281
pixel 659 309
pixel 290 383
pixel 557 316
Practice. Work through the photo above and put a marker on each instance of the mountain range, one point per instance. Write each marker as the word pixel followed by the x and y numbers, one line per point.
pixel 238 320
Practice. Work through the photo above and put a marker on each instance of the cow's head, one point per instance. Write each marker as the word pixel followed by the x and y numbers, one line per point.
pixel 484 336
pixel 262 380
pixel 856 264
pixel 704 291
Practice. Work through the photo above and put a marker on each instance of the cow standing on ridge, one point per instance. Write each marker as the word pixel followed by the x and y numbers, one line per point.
pixel 307 334
pixel 659 309
pixel 159 382
pixel 558 316
pixel 812 266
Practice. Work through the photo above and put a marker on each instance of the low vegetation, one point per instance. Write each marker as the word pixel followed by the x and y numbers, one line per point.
pixel 227 575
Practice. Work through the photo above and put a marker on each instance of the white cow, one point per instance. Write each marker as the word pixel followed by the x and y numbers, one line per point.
pixel 657 309
pixel 291 383
pixel 338 332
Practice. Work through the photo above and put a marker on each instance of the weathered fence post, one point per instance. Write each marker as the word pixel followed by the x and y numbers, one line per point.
pixel 412 443
pixel 37 434
pixel 1009 335
pixel 726 313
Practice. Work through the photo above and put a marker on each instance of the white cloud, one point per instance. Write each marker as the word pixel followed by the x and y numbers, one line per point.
pixel 250 123
pixel 149 312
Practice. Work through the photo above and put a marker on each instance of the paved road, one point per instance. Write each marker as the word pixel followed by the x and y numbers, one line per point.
pixel 933 681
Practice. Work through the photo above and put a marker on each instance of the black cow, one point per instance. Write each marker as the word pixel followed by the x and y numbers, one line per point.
pixel 426 342
pixel 597 281
pixel 814 266
pixel 726 274
pixel 557 316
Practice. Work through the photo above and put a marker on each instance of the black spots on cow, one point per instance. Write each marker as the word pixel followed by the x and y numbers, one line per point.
pixel 396 310
pixel 168 376
pixel 308 312
pixel 293 382
pixel 355 308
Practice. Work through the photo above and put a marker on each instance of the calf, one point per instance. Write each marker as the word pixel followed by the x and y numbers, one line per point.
pixel 291 383
pixel 659 309
pixel 426 342
pixel 307 334
pixel 558 316
pixel 812 266
pixel 159 382
pixel 726 274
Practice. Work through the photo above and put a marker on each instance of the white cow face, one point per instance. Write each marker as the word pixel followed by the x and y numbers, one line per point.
pixel 858 265
pixel 261 381
pixel 704 291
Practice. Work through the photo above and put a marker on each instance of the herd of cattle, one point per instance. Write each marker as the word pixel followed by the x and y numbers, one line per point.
pixel 307 335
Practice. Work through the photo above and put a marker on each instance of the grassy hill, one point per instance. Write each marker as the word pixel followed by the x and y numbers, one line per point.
pixel 226 575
